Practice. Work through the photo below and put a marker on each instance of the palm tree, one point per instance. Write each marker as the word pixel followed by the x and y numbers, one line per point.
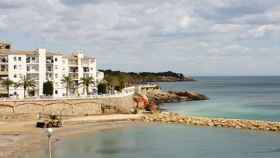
pixel 68 81
pixel 7 84
pixel 86 82
pixel 26 84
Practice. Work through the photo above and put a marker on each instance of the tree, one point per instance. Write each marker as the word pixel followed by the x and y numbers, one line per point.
pixel 112 81
pixel 118 88
pixel 7 84
pixel 123 80
pixel 48 88
pixel 87 82
pixel 69 82
pixel 101 87
pixel 26 84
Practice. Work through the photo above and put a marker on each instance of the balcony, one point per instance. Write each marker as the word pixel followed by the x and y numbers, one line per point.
pixel 49 69
pixel 72 62
pixel 74 76
pixel 49 76
pixel 88 61
pixel 4 73
pixel 32 69
pixel 4 70
pixel 86 75
pixel 49 60
pixel 32 60
pixel 73 70
pixel 34 77
pixel 86 69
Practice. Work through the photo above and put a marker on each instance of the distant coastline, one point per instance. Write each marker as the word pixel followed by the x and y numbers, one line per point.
pixel 132 78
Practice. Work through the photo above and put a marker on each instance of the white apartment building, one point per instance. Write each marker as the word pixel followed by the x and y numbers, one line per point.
pixel 41 66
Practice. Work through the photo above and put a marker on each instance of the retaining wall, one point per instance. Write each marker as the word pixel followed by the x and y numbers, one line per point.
pixel 84 106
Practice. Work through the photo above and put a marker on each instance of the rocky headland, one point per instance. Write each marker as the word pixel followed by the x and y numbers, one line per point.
pixel 132 78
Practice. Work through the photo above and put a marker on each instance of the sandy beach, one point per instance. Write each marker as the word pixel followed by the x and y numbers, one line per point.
pixel 21 139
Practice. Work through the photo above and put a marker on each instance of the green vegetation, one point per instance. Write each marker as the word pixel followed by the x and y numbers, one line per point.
pixel 7 84
pixel 26 84
pixel 87 82
pixel 102 88
pixel 69 83
pixel 117 80
pixel 48 88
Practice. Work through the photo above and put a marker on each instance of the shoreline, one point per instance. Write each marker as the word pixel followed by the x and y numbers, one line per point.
pixel 22 138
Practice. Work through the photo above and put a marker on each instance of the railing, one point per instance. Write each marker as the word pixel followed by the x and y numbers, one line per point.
pixel 75 63
pixel 4 72
pixel 126 92
pixel 148 85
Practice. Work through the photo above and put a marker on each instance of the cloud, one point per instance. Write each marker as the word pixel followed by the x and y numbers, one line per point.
pixel 179 31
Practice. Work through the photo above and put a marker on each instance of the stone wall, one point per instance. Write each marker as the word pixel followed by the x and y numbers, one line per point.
pixel 69 106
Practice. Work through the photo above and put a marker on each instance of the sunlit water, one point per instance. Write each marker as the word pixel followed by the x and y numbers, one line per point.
pixel 231 97
pixel 250 98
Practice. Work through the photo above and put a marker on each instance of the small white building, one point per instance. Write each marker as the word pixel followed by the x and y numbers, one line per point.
pixel 41 66
pixel 99 76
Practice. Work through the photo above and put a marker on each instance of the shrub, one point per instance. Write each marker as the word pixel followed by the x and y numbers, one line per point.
pixel 101 87
pixel 48 88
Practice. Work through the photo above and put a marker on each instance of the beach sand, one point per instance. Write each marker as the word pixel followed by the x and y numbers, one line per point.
pixel 20 139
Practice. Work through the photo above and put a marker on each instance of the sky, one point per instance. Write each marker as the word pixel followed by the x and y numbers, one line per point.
pixel 195 37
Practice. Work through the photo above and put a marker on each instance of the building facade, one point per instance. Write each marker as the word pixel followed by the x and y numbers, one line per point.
pixel 41 66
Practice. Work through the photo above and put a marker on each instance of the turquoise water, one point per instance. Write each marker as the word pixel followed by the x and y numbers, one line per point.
pixel 165 141
pixel 231 97
pixel 237 97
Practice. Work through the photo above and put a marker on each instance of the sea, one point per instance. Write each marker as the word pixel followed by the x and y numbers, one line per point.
pixel 230 97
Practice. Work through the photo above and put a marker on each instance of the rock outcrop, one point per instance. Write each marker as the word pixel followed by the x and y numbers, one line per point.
pixel 171 96
pixel 167 117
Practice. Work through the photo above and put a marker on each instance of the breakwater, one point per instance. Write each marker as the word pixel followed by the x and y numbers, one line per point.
pixel 167 117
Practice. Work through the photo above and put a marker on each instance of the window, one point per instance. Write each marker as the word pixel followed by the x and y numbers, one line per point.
pixel 15 76
pixel 56 67
pixel 15 67
pixel 56 75
pixel 86 69
pixel 55 59
pixel 49 68
pixel 3 68
pixel 56 92
pixel 15 58
pixel 28 60
pixel 3 60
pixel 19 58
pixel 28 68
pixel 33 58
